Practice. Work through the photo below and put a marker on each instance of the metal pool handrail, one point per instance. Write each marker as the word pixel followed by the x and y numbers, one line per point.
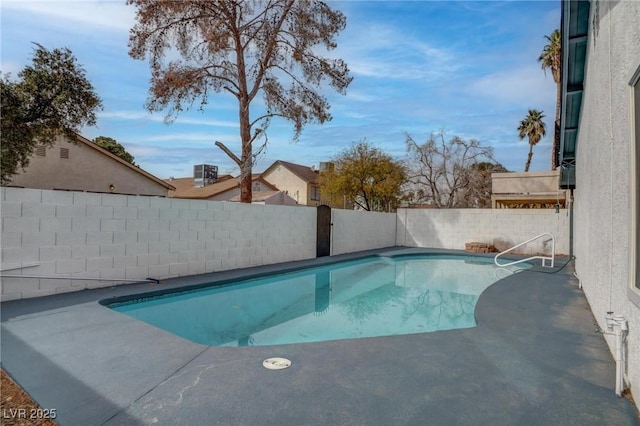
pixel 543 258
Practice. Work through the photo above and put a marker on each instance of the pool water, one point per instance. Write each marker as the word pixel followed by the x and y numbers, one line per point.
pixel 374 296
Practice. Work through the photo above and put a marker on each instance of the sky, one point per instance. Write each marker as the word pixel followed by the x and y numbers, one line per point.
pixel 468 68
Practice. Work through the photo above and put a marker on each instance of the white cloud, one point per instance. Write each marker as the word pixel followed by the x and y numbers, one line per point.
pixel 382 51
pixel 360 96
pixel 516 86
pixel 187 137
pixel 109 15
pixel 159 117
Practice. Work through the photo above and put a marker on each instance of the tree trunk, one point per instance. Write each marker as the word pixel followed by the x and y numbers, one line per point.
pixel 526 166
pixel 556 129
pixel 245 124
pixel 247 157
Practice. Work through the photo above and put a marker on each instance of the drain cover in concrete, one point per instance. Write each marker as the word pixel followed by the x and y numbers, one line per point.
pixel 276 363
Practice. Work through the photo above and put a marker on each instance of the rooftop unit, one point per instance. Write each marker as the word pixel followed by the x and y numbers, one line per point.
pixel 326 165
pixel 204 174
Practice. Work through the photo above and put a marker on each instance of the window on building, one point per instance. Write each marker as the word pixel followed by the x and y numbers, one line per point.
pixel 315 193
pixel 635 170
pixel 64 153
pixel 41 151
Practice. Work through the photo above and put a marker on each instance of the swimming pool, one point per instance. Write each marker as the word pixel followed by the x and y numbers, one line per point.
pixel 373 296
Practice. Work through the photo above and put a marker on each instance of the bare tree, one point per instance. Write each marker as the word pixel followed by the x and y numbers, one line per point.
pixel 452 173
pixel 245 48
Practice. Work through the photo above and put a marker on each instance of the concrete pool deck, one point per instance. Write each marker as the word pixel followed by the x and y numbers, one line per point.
pixel 533 359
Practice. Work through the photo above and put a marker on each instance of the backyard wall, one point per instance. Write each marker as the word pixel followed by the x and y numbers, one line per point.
pixel 603 230
pixel 129 238
pixel 360 230
pixel 111 236
pixel 504 228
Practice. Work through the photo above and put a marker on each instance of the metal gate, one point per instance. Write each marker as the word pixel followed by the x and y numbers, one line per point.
pixel 323 244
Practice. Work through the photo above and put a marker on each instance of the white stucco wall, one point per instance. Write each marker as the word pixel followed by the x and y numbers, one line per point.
pixel 91 235
pixel 361 230
pixel 504 228
pixel 603 176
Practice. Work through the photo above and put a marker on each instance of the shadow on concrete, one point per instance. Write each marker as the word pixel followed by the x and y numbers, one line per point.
pixel 53 388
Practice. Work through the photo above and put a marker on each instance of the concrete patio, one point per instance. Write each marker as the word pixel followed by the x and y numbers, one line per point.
pixel 535 358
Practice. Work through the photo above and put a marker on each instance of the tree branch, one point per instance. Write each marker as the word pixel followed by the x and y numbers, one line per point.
pixel 229 153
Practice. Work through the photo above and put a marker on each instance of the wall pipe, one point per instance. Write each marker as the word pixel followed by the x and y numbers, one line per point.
pixel 617 326
pixel 60 277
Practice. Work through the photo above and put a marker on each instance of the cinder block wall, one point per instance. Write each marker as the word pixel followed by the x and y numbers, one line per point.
pixel 92 235
pixel 121 237
pixel 504 228
pixel 360 230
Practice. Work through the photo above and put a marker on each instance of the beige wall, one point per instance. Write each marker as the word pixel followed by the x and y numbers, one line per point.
pixel 86 169
pixel 226 195
pixel 523 183
pixel 285 180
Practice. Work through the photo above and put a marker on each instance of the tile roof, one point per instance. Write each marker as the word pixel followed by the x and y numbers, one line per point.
pixel 305 173
pixel 186 189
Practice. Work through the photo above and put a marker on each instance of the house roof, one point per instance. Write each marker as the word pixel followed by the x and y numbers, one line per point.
pixel 575 28
pixel 259 196
pixel 184 187
pixel 114 157
pixel 305 173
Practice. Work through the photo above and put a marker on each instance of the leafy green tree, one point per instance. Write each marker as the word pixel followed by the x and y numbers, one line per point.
pixel 51 96
pixel 244 48
pixel 364 175
pixel 551 58
pixel 533 128
pixel 17 142
pixel 114 147
pixel 450 172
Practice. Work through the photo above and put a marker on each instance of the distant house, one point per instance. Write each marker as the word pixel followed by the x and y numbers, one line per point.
pixel 278 198
pixel 527 189
pixel 224 188
pixel 83 165
pixel 297 181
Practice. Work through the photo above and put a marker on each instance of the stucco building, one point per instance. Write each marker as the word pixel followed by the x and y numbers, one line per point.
pixel 600 159
pixel 83 165
pixel 297 181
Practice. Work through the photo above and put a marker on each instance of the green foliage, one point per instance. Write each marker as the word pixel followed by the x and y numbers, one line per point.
pixel 52 96
pixel 15 147
pixel 366 176
pixel 532 127
pixel 114 147
pixel 551 58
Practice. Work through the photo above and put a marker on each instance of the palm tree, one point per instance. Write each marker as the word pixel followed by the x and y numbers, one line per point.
pixel 534 128
pixel 551 58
